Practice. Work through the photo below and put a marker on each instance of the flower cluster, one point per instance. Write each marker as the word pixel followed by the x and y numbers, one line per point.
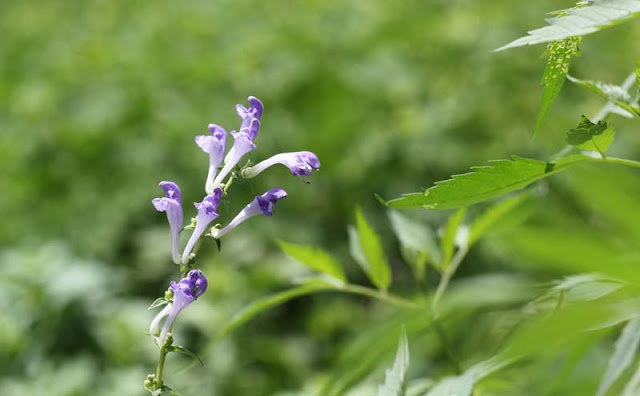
pixel 194 283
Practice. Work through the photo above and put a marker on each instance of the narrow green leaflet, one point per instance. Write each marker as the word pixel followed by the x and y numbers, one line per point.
pixel 417 241
pixel 560 53
pixel 184 351
pixel 580 21
pixel 590 136
pixel 495 215
pixel 484 183
pixel 395 381
pixel 633 386
pixel 623 356
pixel 375 262
pixel 158 302
pixel 448 242
pixel 271 301
pixel 315 259
pixel 613 93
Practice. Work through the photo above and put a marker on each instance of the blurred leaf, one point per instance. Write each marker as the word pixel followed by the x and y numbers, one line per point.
pixel 271 301
pixel 375 263
pixel 484 183
pixel 625 351
pixel 580 21
pixel 417 241
pixel 548 332
pixel 160 301
pixel 585 287
pixel 395 381
pixel 184 351
pixel 491 218
pixel 462 385
pixel 633 386
pixel 315 259
pixel 613 93
pixel 448 243
pixel 590 136
pixel 560 53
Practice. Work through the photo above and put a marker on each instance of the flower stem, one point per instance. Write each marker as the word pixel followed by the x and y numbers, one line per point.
pixel 369 292
pixel 160 369
pixel 619 161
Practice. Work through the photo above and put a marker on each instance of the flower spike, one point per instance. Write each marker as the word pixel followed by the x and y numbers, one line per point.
pixel 301 163
pixel 262 204
pixel 172 205
pixel 207 212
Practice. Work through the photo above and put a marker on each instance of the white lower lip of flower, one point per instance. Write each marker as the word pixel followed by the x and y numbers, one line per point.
pixel 154 329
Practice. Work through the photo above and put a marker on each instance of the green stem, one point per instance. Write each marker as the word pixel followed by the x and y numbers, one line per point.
pixel 160 369
pixel 369 292
pixel 228 183
pixel 446 277
pixel 619 161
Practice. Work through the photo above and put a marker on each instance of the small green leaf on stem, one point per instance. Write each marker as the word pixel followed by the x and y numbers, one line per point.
pixel 160 301
pixel 448 242
pixel 184 351
pixel 375 262
pixel 590 136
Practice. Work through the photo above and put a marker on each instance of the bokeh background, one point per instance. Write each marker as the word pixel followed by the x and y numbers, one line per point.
pixel 101 100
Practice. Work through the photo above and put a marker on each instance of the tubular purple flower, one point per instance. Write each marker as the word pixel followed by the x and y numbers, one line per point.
pixel 300 163
pixel 213 145
pixel 242 144
pixel 172 205
pixel 262 204
pixel 207 212
pixel 186 291
pixel 255 110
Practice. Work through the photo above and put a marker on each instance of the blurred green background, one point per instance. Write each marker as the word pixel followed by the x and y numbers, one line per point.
pixel 101 100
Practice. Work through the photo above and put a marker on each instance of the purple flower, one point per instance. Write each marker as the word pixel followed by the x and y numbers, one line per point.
pixel 207 212
pixel 255 110
pixel 242 144
pixel 262 204
pixel 172 205
pixel 300 163
pixel 186 291
pixel 213 145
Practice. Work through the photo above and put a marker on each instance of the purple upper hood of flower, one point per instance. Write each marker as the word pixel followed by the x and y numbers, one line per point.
pixel 207 212
pixel 255 110
pixel 172 205
pixel 267 201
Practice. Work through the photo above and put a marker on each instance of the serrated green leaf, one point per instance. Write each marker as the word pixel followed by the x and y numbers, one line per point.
pixel 448 241
pixel 560 53
pixel 613 93
pixel 395 381
pixel 271 301
pixel 580 21
pixel 417 241
pixel 484 183
pixel 375 262
pixel 590 136
pixel 625 351
pixel 492 217
pixel 184 351
pixel 315 259
pixel 160 301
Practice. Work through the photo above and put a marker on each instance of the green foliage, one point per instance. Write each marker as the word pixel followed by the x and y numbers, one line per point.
pixel 590 136
pixel 315 259
pixel 372 258
pixel 395 381
pixel 497 214
pixel 560 53
pixel 462 385
pixel 450 237
pixel 580 21
pixel 484 183
pixel 625 351
pixel 184 351
pixel 614 93
pixel 417 242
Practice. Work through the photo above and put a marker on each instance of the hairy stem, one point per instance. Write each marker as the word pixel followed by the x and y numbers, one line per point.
pixel 446 277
